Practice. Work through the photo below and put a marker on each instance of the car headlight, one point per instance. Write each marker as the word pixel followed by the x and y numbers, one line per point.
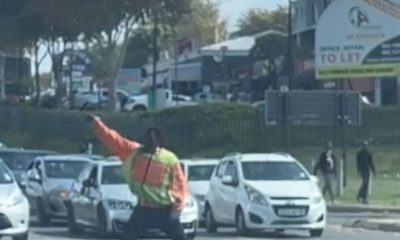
pixel 120 205
pixel 255 196
pixel 317 199
pixel 60 193
pixel 15 200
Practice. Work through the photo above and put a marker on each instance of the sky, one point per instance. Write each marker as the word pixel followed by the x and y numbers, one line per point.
pixel 231 10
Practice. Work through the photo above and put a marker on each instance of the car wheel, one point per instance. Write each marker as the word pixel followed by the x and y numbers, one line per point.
pixel 73 227
pixel 316 232
pixel 41 213
pixel 23 236
pixel 210 223
pixel 241 228
pixel 102 221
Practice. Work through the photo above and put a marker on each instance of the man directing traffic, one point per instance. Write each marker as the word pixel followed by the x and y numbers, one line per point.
pixel 154 175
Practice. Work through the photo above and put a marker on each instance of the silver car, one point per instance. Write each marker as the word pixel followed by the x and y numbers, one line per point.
pixel 48 181
pixel 101 200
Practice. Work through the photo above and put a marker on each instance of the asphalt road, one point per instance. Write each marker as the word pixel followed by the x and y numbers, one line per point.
pixel 334 231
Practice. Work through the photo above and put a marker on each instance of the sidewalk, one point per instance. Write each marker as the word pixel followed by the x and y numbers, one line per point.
pixel 386 225
pixel 358 208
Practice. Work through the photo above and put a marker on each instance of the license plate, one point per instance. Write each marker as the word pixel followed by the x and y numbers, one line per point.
pixel 291 212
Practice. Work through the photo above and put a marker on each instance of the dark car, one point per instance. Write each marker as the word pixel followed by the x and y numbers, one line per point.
pixel 18 159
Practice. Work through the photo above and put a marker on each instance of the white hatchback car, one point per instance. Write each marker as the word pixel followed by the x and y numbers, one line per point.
pixel 264 192
pixel 14 207
pixel 198 173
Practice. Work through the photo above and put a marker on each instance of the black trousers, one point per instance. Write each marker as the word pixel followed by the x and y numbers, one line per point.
pixel 328 177
pixel 143 218
pixel 363 192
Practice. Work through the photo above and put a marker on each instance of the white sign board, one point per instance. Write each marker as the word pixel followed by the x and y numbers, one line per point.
pixel 358 39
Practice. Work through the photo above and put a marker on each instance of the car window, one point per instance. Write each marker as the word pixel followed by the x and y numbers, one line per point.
pixel 18 161
pixel 200 172
pixel 273 171
pixel 5 175
pixel 220 169
pixel 112 175
pixel 93 175
pixel 85 173
pixel 63 169
pixel 230 170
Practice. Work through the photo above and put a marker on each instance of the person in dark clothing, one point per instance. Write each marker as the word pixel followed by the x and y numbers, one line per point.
pixel 364 167
pixel 327 165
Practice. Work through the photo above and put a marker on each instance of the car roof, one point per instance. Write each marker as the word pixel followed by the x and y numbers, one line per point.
pixel 200 161
pixel 93 157
pixel 66 157
pixel 106 163
pixel 263 157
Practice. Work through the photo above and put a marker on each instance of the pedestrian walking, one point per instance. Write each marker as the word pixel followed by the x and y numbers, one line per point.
pixel 365 166
pixel 154 175
pixel 327 165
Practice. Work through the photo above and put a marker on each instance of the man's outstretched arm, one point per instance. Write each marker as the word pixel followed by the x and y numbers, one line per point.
pixel 117 144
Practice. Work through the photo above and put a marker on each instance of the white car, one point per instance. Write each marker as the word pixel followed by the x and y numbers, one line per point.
pixel 264 192
pixel 14 207
pixel 198 173
pixel 100 199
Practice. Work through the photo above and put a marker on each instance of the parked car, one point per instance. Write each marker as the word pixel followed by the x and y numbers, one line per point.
pixel 14 207
pixel 198 173
pixel 90 100
pixel 264 192
pixel 18 160
pixel 49 180
pixel 100 199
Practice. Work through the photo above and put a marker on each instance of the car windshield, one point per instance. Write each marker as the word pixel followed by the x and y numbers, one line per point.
pixel 5 175
pixel 200 173
pixel 18 161
pixel 112 175
pixel 64 169
pixel 273 171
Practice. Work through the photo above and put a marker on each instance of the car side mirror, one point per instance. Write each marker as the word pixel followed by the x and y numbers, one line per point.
pixel 314 179
pixel 227 180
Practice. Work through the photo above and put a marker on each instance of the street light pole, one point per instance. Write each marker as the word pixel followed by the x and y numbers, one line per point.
pixel 155 58
pixel 290 50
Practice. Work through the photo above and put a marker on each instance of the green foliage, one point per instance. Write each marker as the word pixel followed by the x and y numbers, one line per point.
pixel 259 20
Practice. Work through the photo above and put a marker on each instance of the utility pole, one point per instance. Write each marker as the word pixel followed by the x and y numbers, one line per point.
pixel 155 59
pixel 2 76
pixel 290 50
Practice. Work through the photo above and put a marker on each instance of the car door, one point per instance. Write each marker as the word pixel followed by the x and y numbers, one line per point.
pixel 78 199
pixel 228 193
pixel 214 196
pixel 34 187
pixel 93 196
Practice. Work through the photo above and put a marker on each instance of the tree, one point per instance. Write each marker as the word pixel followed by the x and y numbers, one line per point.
pixel 115 22
pixel 259 20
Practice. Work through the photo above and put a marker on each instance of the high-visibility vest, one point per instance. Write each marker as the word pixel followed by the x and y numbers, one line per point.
pixel 149 176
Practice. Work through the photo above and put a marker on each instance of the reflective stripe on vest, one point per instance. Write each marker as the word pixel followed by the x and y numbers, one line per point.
pixel 153 188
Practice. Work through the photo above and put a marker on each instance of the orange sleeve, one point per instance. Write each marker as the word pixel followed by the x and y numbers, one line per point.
pixel 117 144
pixel 179 187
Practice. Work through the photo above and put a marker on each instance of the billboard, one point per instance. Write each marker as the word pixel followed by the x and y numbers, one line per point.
pixel 358 39
pixel 130 80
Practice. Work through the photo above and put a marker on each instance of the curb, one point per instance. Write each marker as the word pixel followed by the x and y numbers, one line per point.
pixel 375 226
pixel 362 209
